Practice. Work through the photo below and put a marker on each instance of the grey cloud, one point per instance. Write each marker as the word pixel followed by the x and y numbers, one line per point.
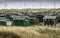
pixel 30 0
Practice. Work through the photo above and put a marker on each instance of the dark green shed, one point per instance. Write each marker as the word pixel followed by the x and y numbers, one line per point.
pixel 21 21
pixel 34 20
pixel 40 17
pixel 58 18
pixel 4 21
pixel 9 16
pixel 50 20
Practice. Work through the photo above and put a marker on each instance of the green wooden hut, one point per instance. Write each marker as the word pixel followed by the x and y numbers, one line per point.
pixel 33 20
pixel 2 15
pixel 50 20
pixel 4 21
pixel 58 18
pixel 40 17
pixel 20 21
pixel 9 16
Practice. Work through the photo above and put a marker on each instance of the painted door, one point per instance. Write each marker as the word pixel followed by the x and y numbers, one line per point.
pixel 26 22
pixel 9 23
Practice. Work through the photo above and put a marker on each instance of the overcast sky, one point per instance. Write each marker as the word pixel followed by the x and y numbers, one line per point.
pixel 29 4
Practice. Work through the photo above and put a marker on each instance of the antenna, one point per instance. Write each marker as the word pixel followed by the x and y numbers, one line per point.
pixel 32 5
pixel 5 5
pixel 40 6
pixel 54 7
pixel 24 5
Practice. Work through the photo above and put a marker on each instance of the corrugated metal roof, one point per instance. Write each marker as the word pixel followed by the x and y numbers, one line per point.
pixel 3 19
pixel 21 14
pixel 2 14
pixel 50 17
pixel 18 18
pixel 25 16
pixel 32 18
pixel 15 16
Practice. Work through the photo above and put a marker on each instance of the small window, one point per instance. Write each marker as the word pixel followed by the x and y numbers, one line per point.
pixel 26 20
pixel 48 19
pixel 52 20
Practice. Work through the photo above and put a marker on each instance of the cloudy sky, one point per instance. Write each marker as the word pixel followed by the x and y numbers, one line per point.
pixel 20 4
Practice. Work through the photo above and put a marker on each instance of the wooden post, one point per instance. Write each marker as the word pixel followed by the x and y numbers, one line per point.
pixel 43 22
pixel 54 23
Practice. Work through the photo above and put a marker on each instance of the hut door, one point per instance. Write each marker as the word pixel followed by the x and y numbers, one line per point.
pixel 26 22
pixel 9 23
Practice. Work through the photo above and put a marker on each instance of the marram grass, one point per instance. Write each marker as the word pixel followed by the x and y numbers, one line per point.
pixel 29 32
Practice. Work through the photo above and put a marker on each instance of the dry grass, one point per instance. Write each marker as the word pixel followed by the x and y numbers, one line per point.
pixel 29 10
pixel 29 32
